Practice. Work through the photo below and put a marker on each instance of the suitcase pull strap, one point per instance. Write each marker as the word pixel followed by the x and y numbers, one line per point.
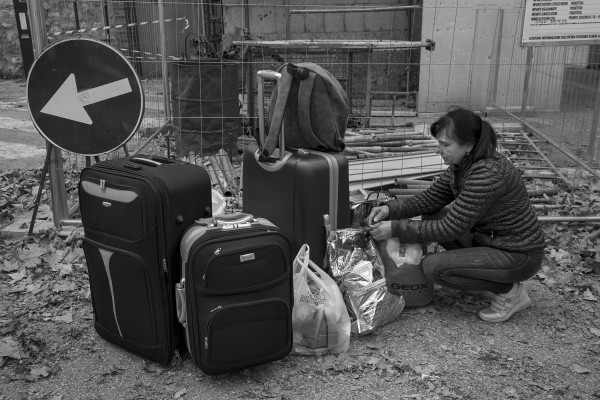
pixel 284 82
pixel 180 302
pixel 181 310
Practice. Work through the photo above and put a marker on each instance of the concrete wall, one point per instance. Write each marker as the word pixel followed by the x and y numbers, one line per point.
pixel 465 64
pixel 457 71
pixel 273 20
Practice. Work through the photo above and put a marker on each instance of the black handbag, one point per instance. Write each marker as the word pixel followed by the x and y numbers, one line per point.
pixel 361 210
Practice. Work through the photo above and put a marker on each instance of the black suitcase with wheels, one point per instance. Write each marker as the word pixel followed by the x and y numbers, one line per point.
pixel 296 189
pixel 134 212
pixel 235 296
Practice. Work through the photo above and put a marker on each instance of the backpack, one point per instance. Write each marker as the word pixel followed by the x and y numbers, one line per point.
pixel 313 107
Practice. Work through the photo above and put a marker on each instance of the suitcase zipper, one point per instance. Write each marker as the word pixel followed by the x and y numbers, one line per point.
pixel 102 184
pixel 215 311
pixel 156 185
pixel 219 253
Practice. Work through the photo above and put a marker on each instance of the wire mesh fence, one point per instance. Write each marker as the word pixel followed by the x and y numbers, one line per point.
pixel 402 64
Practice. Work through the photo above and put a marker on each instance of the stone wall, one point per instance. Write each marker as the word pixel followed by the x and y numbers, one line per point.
pixel 59 17
pixel 11 62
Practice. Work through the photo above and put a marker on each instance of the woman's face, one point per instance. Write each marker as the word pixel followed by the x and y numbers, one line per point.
pixel 451 151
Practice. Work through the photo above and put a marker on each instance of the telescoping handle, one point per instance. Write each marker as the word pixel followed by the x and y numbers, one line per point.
pixel 261 76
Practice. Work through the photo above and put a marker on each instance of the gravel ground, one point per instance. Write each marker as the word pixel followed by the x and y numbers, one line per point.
pixel 441 351
pixel 49 349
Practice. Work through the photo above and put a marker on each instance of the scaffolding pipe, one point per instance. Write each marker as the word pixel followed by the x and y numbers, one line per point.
pixel 561 176
pixel 546 138
pixel 335 43
pixel 559 218
pixel 354 9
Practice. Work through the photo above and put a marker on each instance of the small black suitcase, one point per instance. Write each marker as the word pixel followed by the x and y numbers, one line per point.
pixel 134 212
pixel 296 189
pixel 235 297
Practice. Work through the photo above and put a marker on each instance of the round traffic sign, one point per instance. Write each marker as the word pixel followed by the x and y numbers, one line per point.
pixel 84 96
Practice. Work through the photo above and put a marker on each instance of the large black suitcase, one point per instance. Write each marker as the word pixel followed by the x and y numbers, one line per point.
pixel 295 189
pixel 134 212
pixel 235 297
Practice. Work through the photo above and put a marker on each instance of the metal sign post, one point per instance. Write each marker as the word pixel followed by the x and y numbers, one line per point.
pixel 54 156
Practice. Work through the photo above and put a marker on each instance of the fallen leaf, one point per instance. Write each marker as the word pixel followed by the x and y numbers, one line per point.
pixel 42 371
pixel 16 277
pixel 33 252
pixel 151 366
pixel 579 369
pixel 10 348
pixel 328 363
pixel 64 287
pixel 425 370
pixel 587 295
pixel 510 392
pixel 180 393
pixel 9 267
pixel 68 318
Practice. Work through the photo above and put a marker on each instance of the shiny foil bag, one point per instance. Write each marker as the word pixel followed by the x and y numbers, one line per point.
pixel 373 306
pixel 358 271
pixel 348 247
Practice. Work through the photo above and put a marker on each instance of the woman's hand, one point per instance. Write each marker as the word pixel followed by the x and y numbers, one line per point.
pixel 381 230
pixel 377 214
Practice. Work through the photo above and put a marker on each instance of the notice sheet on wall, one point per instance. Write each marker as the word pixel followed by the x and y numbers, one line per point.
pixel 561 22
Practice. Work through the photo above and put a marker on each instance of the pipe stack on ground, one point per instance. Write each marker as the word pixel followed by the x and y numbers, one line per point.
pixel 376 144
pixel 223 176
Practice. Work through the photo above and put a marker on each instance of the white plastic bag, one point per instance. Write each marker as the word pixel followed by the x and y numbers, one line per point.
pixel 320 319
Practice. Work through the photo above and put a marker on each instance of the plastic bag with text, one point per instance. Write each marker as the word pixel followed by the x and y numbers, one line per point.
pixel 403 272
pixel 320 319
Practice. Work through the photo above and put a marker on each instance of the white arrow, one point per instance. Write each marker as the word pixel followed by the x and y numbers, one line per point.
pixel 68 103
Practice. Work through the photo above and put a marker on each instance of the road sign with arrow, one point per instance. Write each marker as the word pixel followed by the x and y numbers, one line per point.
pixel 84 96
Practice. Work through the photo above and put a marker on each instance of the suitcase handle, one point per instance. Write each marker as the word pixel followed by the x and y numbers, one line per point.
pixel 162 160
pixel 152 161
pixel 272 75
pixel 235 218
pixel 146 161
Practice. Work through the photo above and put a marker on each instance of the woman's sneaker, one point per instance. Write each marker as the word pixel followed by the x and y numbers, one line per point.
pixel 504 305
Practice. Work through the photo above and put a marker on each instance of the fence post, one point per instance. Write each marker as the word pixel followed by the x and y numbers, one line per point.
pixel 58 191
pixel 528 68
pixel 594 131
pixel 495 64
